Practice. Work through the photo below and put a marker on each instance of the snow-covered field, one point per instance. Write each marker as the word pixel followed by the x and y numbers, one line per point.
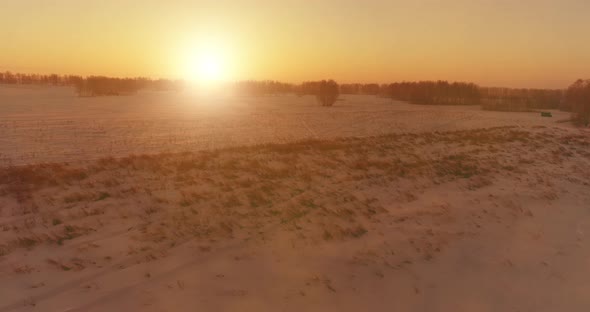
pixel 487 220
pixel 41 124
pixel 409 216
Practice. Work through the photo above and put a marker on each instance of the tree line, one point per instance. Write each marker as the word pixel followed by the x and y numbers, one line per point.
pixel 92 85
pixel 506 99
pixel 424 92
pixel 427 92
pixel 37 79
pixel 435 92
pixel 262 88
pixel 361 88
pixel 577 100
pixel 325 91
pixel 104 86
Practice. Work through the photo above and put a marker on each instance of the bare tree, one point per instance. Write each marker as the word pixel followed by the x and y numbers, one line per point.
pixel 327 92
pixel 577 98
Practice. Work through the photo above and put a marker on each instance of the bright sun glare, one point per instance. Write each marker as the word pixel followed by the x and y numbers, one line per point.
pixel 207 65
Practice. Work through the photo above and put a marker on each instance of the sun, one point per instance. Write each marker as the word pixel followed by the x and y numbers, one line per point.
pixel 210 67
pixel 207 65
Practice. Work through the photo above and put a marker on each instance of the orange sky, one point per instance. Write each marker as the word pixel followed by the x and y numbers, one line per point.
pixel 496 43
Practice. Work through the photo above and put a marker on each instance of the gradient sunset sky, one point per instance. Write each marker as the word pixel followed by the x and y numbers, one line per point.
pixel 526 43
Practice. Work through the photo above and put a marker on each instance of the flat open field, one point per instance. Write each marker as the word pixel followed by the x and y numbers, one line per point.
pixel 40 124
pixel 377 206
